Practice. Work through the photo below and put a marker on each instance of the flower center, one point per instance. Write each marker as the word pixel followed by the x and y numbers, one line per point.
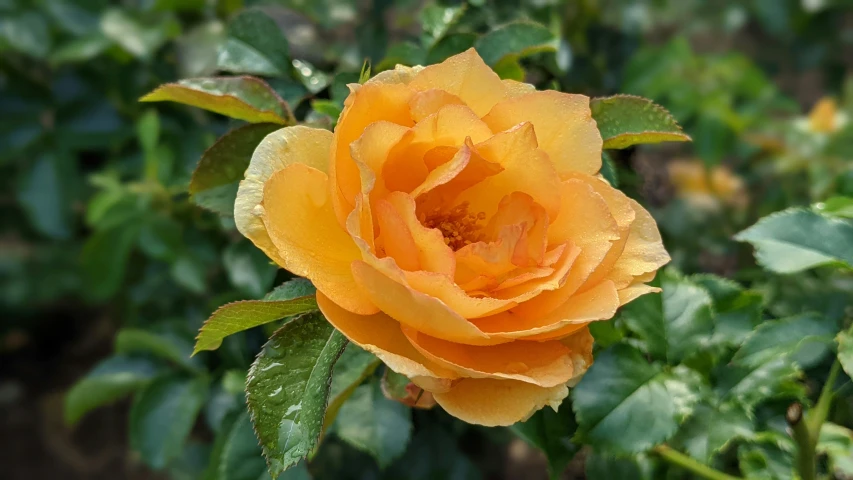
pixel 458 226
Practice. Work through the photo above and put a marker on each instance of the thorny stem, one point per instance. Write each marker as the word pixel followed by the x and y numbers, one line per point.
pixel 677 458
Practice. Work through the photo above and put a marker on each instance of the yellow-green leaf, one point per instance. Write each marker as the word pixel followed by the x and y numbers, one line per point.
pixel 243 98
pixel 626 120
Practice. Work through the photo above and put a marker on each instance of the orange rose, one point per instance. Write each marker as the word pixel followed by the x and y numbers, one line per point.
pixel 455 226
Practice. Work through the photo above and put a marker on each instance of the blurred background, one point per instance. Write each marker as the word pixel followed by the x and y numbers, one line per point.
pixel 108 268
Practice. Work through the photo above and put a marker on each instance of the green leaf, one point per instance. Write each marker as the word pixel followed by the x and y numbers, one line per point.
pixel 712 428
pixel 608 170
pixel 736 311
pixel 434 454
pixel 793 338
pixel 836 207
pixel 80 49
pixel 243 315
pixel 752 385
pixel 237 455
pixel 45 196
pixel 552 433
pixel 162 416
pixel 26 32
pixel 770 458
pixel 293 288
pixel 105 256
pixel 795 239
pixel 675 323
pixel 354 366
pixel 628 405
pixel 836 442
pixel 436 21
pixel 603 466
pixel 254 45
pixel 248 268
pixel 167 345
pixel 288 388
pixel 515 40
pixel 243 98
pixel 372 423
pixel 219 199
pixel 845 350
pixel 109 381
pixel 626 120
pixel 139 36
pixel 449 46
pixel 312 77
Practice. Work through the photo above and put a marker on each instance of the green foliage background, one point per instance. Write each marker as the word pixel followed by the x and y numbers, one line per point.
pixel 105 228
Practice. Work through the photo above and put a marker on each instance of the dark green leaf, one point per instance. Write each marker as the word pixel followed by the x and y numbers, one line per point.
pixel 793 338
pixel 449 46
pixel 750 386
pixel 243 98
pixel 711 429
pixel 26 32
pixel 603 466
pixel 44 194
pixel 836 442
pixel 139 36
pixel 434 454
pixel 771 458
pixel 168 346
pixel 552 433
pixel 293 288
pixel 515 40
pixel 625 404
pixel 626 120
pixel 254 45
pixel 354 366
pixel 674 324
pixel 109 381
pixel 162 416
pixel 795 239
pixel 845 350
pixel 312 78
pixel 372 423
pixel 608 170
pixel 218 199
pixel 105 256
pixel 288 388
pixel 249 269
pixel 436 20
pixel 80 49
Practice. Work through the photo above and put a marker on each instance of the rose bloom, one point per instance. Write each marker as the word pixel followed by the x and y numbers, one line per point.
pixel 824 118
pixel 705 188
pixel 455 226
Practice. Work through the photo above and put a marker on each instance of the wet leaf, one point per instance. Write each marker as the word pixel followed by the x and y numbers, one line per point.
pixel 288 388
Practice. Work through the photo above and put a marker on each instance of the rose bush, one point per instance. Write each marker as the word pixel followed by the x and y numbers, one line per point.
pixel 455 225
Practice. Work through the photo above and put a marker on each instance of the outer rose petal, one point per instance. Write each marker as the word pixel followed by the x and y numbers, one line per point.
pixel 564 127
pixel 633 291
pixel 644 251
pixel 546 364
pixel 290 145
pixel 380 335
pixel 466 76
pixel 301 224
pixel 401 74
pixel 492 402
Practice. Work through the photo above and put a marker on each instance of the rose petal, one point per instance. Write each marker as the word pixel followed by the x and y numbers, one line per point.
pixel 372 102
pixel 380 335
pixel 395 237
pixel 414 308
pixel 526 169
pixel 300 221
pixel 290 145
pixel 428 102
pixel 563 123
pixel 492 402
pixel 541 363
pixel 599 303
pixel 433 254
pixel 466 76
